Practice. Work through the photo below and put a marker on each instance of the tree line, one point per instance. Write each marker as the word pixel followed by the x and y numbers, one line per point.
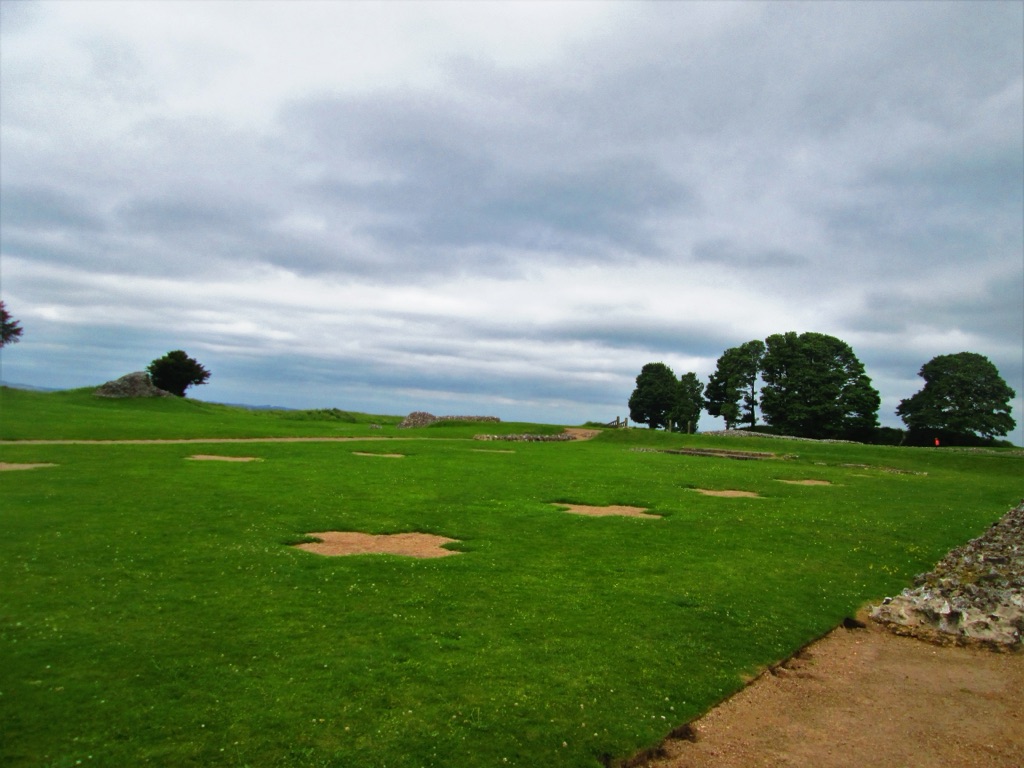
pixel 813 385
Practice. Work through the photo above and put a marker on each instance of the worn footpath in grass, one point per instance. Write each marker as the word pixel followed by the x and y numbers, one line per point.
pixel 154 614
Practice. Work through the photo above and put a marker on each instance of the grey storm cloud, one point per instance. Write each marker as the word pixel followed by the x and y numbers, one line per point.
pixel 437 175
pixel 526 231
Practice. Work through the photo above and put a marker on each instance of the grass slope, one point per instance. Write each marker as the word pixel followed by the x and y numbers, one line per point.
pixel 78 415
pixel 153 613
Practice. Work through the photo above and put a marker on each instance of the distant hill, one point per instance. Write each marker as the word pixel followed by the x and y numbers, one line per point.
pixel 28 387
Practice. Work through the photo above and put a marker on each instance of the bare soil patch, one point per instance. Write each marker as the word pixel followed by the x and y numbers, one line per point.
pixel 806 482
pixel 6 467
pixel 609 511
pixel 729 494
pixel 866 697
pixel 212 457
pixel 579 433
pixel 382 455
pixel 354 543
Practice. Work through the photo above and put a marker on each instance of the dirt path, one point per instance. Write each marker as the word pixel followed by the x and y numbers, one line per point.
pixel 577 434
pixel 865 697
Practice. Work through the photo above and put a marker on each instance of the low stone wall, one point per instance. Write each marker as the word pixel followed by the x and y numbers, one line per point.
pixel 769 436
pixel 974 594
pixel 527 438
pixel 424 419
pixel 136 384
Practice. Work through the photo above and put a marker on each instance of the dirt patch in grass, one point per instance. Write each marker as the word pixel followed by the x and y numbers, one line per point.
pixel 353 543
pixel 729 494
pixel 578 433
pixel 6 467
pixel 609 511
pixel 806 482
pixel 212 457
pixel 487 450
pixel 382 455
pixel 865 697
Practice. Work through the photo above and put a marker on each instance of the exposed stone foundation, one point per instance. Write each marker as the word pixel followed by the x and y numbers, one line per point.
pixel 974 594
pixel 136 384
pixel 424 419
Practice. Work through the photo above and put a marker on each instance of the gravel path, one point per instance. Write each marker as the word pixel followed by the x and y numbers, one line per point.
pixel 872 697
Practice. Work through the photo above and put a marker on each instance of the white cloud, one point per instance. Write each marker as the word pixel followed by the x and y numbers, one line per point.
pixel 515 204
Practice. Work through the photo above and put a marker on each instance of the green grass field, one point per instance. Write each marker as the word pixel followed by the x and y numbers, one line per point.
pixel 152 612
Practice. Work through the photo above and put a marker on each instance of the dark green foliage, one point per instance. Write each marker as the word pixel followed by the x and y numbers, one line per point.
pixel 10 329
pixel 816 387
pixel 963 395
pixel 735 380
pixel 176 371
pixel 655 395
pixel 887 436
pixel 686 413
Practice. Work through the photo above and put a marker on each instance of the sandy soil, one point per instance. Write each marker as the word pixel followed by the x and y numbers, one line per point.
pixel 614 509
pixel 865 697
pixel 211 457
pixel 381 455
pixel 7 467
pixel 729 494
pixel 353 543
pixel 806 482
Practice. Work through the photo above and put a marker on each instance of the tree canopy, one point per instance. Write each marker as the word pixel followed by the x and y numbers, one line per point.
pixel 10 329
pixel 735 380
pixel 176 371
pixel 814 386
pixel 655 396
pixel 686 413
pixel 963 394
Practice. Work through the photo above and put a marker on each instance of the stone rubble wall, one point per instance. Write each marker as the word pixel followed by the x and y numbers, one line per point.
pixel 769 435
pixel 424 419
pixel 974 594
pixel 136 384
pixel 527 438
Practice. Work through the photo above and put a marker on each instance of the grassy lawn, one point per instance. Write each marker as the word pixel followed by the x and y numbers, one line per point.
pixel 152 612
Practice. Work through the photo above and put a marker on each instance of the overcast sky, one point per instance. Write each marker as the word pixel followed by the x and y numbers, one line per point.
pixel 506 208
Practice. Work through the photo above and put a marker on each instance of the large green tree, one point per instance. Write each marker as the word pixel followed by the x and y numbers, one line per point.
pixel 814 386
pixel 689 403
pixel 10 329
pixel 735 381
pixel 963 394
pixel 176 371
pixel 655 395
